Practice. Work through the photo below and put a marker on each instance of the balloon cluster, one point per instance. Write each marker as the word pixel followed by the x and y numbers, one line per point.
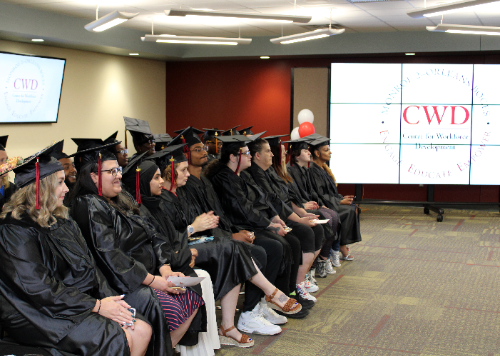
pixel 306 127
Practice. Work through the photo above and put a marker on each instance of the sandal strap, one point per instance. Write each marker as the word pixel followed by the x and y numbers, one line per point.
pixel 244 339
pixel 289 304
pixel 271 297
pixel 225 331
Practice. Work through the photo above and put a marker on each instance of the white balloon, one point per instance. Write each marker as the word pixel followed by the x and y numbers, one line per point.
pixel 294 135
pixel 306 115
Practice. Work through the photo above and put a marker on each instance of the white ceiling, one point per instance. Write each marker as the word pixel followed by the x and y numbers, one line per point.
pixel 383 16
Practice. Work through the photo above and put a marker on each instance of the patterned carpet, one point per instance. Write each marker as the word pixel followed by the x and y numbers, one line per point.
pixel 416 287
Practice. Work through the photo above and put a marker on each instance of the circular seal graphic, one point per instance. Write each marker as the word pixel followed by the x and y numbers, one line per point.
pixel 24 90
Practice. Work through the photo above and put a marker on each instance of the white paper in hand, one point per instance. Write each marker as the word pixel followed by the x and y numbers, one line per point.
pixel 185 281
pixel 318 221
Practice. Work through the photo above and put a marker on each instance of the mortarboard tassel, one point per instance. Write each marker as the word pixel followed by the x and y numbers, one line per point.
pixel 309 164
pixel 137 186
pixel 186 150
pixel 281 149
pixel 290 153
pixel 99 174
pixel 37 184
pixel 216 145
pixel 239 162
pixel 173 175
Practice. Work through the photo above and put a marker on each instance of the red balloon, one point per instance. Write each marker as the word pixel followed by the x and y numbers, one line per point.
pixel 306 129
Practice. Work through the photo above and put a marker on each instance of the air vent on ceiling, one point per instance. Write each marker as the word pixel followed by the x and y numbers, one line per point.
pixel 317 27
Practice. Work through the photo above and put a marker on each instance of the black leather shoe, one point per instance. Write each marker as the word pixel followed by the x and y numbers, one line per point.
pixel 300 315
pixel 306 304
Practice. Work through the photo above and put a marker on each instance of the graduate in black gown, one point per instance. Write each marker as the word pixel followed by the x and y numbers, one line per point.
pixel 309 233
pixel 142 137
pixel 70 171
pixel 212 143
pixel 298 169
pixel 6 188
pixel 132 255
pixel 324 184
pixel 198 197
pixel 229 262
pixel 246 205
pixel 287 188
pixel 52 295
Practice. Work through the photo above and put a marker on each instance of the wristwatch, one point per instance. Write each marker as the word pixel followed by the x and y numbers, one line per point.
pixel 190 229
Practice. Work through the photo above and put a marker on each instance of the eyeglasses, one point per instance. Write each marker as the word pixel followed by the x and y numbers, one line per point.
pixel 113 171
pixel 247 153
pixel 199 149
pixel 124 151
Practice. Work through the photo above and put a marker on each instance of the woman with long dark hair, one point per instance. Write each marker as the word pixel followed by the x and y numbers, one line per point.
pixel 52 295
pixel 133 256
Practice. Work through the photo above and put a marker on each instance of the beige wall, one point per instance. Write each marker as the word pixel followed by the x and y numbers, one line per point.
pixel 310 91
pixel 98 90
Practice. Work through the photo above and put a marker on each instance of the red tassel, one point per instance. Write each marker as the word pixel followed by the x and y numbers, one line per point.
pixel 38 184
pixel 186 150
pixel 308 164
pixel 99 174
pixel 173 175
pixel 290 153
pixel 137 186
pixel 281 148
pixel 239 162
pixel 216 144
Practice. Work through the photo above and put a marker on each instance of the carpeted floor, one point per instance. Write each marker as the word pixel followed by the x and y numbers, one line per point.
pixel 416 287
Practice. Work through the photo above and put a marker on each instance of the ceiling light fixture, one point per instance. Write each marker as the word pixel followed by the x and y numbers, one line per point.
pixel 264 57
pixel 307 36
pixel 196 40
pixel 279 18
pixel 409 54
pixel 108 21
pixel 133 54
pixel 439 10
pixel 37 40
pixel 465 29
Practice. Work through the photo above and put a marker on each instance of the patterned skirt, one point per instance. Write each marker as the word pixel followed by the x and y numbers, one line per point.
pixel 178 307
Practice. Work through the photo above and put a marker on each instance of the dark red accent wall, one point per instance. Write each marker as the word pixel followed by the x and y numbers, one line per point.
pixel 226 93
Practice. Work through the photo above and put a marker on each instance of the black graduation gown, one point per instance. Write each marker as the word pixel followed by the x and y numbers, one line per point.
pixel 326 188
pixel 179 262
pixel 228 261
pixel 48 287
pixel 302 179
pixel 7 194
pixel 126 249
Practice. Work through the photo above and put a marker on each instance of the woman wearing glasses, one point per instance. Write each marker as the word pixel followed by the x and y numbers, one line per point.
pixel 52 294
pixel 121 154
pixel 134 258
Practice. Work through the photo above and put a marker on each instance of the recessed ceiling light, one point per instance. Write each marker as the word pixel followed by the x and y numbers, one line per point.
pixel 410 54
pixel 37 40
pixel 264 57
pixel 133 54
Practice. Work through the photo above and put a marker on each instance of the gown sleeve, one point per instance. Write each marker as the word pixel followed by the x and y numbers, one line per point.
pixel 235 202
pixel 24 270
pixel 99 226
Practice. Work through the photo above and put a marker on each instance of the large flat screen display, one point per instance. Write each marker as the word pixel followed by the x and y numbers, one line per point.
pixel 31 88
pixel 415 123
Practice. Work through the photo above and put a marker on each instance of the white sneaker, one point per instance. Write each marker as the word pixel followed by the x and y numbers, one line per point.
pixel 335 259
pixel 270 315
pixel 304 293
pixel 311 288
pixel 329 267
pixel 253 322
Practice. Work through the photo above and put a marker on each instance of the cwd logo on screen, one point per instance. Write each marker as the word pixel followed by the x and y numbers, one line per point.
pixel 24 89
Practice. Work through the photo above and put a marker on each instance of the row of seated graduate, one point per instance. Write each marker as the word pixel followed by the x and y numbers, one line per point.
pixel 83 242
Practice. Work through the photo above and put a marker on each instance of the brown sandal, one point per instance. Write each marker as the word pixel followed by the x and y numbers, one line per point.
pixel 290 307
pixel 245 341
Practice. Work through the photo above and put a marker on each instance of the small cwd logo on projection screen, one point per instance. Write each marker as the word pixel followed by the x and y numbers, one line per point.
pixel 31 88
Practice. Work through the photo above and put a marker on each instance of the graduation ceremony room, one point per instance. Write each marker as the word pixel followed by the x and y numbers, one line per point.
pixel 249 177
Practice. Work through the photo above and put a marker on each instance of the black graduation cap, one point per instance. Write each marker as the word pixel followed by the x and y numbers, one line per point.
pixel 162 141
pixel 274 140
pixel 246 131
pixel 188 135
pixel 111 138
pixel 317 140
pixel 170 155
pixel 139 129
pixel 87 143
pixel 238 141
pixel 59 154
pixel 37 167
pixel 3 142
pixel 91 152
pixel 211 134
pixel 130 175
pixel 231 131
pixel 298 144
